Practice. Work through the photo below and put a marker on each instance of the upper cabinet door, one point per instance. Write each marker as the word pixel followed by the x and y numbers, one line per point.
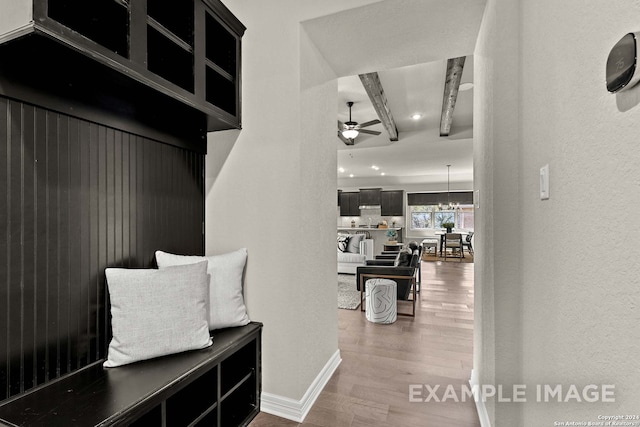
pixel 349 204
pixel 392 203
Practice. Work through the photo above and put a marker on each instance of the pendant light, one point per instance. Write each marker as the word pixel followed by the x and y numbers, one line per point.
pixel 450 205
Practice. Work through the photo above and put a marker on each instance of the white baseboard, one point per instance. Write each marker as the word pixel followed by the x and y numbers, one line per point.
pixel 297 410
pixel 483 415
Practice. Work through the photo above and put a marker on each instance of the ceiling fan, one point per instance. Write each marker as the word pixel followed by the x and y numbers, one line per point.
pixel 348 131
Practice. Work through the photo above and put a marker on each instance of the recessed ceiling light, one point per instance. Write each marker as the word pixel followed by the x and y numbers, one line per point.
pixel 465 86
pixel 416 116
pixel 374 167
pixel 382 173
pixel 351 176
pixel 341 170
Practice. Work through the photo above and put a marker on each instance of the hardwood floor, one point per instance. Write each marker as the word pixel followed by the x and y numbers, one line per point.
pixel 379 362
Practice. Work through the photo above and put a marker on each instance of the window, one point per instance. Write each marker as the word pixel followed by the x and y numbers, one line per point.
pixel 421 217
pixel 443 217
pixel 428 216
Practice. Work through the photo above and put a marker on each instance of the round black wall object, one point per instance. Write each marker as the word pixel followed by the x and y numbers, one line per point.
pixel 622 70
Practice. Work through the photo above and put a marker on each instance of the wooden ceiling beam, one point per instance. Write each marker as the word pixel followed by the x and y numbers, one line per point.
pixel 451 87
pixel 371 83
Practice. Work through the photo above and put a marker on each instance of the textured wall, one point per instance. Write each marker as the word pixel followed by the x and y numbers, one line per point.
pixel 580 299
pixel 559 305
pixel 275 191
pixel 497 221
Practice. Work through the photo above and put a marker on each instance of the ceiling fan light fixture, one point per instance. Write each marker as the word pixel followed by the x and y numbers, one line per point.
pixel 350 130
pixel 350 133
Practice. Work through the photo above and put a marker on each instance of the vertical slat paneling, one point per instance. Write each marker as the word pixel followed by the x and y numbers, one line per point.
pixel 53 254
pixel 4 261
pixel 14 204
pixel 78 197
pixel 94 220
pixel 84 345
pixel 64 292
pixel 29 244
pixel 74 244
pixel 42 280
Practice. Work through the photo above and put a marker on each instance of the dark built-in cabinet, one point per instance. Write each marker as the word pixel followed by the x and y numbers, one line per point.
pixel 169 65
pixel 349 204
pixel 392 203
pixel 218 386
pixel 370 197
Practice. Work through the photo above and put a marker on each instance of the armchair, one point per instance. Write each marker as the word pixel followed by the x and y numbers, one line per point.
pixel 387 261
pixel 403 272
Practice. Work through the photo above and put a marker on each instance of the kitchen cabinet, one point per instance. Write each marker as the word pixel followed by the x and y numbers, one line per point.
pixel 349 204
pixel 392 203
pixel 370 196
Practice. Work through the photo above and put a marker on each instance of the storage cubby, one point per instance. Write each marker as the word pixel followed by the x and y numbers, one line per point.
pixel 221 45
pixel 177 17
pixel 237 367
pixel 169 60
pixel 151 418
pixel 221 92
pixel 190 403
pixel 209 420
pixel 239 404
pixel 105 22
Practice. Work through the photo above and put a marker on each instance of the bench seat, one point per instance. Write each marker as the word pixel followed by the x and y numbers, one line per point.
pixel 219 385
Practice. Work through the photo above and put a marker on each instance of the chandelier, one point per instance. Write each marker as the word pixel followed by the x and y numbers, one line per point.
pixel 450 205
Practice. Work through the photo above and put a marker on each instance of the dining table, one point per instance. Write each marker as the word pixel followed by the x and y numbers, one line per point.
pixel 442 233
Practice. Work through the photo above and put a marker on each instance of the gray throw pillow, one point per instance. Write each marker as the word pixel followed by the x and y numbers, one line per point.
pixel 403 259
pixel 156 312
pixel 226 306
pixel 354 243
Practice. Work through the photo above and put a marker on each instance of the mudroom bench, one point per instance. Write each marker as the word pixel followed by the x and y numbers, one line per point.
pixel 217 386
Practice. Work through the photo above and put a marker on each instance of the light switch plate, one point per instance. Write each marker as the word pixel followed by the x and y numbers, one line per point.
pixel 544 182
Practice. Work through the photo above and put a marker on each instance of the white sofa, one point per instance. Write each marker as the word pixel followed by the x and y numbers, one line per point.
pixel 356 254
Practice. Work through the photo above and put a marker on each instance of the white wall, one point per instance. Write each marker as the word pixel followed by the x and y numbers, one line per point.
pixel 268 190
pixel 557 300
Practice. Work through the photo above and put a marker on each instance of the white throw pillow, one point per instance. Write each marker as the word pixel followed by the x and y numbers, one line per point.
pixel 156 312
pixel 226 303
pixel 343 242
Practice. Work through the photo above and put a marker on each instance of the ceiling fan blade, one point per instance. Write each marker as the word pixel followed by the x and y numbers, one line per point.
pixel 370 132
pixel 370 123
pixel 340 125
pixel 347 141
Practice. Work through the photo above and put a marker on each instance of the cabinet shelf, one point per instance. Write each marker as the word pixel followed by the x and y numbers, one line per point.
pixel 239 384
pixel 169 59
pixel 177 18
pixel 168 34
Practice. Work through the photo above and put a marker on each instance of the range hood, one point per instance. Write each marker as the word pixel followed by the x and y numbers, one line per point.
pixel 370 198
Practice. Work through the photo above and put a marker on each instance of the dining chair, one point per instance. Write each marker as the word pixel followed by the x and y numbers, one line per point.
pixel 453 241
pixel 467 242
